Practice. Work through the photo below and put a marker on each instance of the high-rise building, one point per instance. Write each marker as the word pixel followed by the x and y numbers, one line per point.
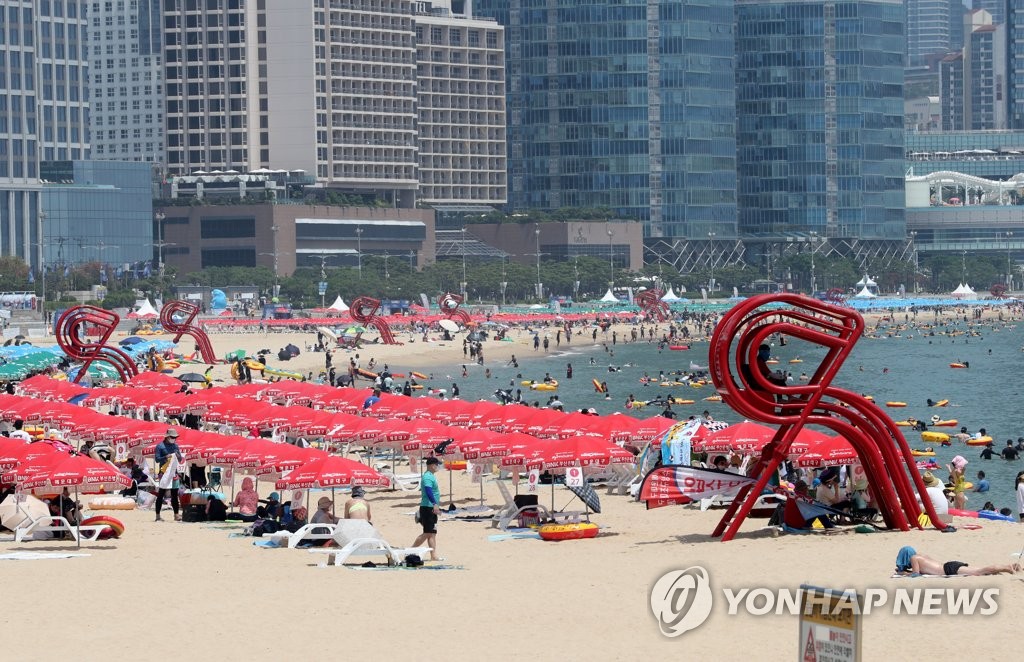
pixel 460 82
pixel 929 25
pixel 628 105
pixel 975 94
pixel 43 110
pixel 1015 63
pixel 820 119
pixel 126 80
pixel 327 87
pixel 996 8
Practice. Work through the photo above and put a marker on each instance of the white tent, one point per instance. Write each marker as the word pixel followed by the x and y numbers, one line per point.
pixel 609 297
pixel 864 293
pixel 338 305
pixel 964 291
pixel 145 311
pixel 866 282
pixel 670 295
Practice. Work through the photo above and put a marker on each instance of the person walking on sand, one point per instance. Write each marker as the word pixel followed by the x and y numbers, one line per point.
pixel 168 458
pixel 430 507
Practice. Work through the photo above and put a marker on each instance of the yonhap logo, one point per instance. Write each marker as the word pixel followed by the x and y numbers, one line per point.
pixel 681 600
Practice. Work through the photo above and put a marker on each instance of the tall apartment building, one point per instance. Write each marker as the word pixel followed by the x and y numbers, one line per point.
pixel 628 105
pixel 43 110
pixel 460 82
pixel 126 80
pixel 974 82
pixel 929 25
pixel 1015 63
pixel 326 86
pixel 820 118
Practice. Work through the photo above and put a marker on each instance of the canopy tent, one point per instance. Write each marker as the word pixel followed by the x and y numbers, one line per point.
pixel 964 291
pixel 670 295
pixel 338 305
pixel 608 297
pixel 866 282
pixel 145 311
pixel 864 293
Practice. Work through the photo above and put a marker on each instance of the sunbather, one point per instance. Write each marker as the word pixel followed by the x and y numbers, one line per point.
pixel 357 507
pixel 908 561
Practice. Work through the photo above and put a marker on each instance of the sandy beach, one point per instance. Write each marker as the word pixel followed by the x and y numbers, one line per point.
pixel 175 589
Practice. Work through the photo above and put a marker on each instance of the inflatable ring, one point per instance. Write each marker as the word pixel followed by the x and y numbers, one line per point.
pixel 366 373
pixel 114 525
pixel 677 348
pixel 940 403
pixel 917 453
pixel 713 398
pixel 598 386
pixel 957 365
pixel 455 465
pixel 568 531
pixel 948 423
pixel 112 503
pixel 935 437
pixel 419 375
pixel 680 401
pixel 981 441
pixel 543 387
pixel 895 404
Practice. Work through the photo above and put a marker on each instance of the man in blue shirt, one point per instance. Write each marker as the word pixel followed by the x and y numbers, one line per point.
pixel 982 484
pixel 372 399
pixel 430 507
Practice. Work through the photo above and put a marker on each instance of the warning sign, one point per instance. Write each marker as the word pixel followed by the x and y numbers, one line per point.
pixel 829 625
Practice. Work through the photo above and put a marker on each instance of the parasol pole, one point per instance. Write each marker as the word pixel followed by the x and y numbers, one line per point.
pixel 78 520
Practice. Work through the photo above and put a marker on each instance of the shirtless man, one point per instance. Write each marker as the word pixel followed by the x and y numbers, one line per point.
pixel 922 564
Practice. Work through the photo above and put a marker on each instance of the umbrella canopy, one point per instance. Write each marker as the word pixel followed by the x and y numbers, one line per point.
pixel 155 380
pixel 745 436
pixel 587 495
pixel 76 471
pixel 581 450
pixel 827 450
pixel 332 471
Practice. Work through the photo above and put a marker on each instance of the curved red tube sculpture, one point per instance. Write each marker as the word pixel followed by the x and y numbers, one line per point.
pixel 651 304
pixel 186 312
pixel 70 331
pixel 888 464
pixel 449 304
pixel 364 310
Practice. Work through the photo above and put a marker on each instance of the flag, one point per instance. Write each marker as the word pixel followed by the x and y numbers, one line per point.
pixel 103 275
pixel 31 277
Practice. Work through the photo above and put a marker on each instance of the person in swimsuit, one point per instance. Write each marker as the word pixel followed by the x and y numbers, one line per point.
pixel 910 562
pixel 357 507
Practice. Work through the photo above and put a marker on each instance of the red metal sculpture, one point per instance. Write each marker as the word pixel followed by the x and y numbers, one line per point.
pixel 651 305
pixel 836 296
pixel 364 310
pixel 70 331
pixel 884 453
pixel 186 312
pixel 449 304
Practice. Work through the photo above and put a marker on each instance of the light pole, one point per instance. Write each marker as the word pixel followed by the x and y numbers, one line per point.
pixel 277 287
pixel 711 278
pixel 323 278
pixel 913 240
pixel 42 269
pixel 504 279
pixel 1009 268
pixel 160 216
pixel 611 260
pixel 814 245
pixel 359 250
pixel 387 274
pixel 463 284
pixel 540 290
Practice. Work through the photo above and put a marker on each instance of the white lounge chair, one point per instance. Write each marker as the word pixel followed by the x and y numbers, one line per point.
pixel 314 532
pixel 764 505
pixel 356 537
pixel 624 477
pixel 513 512
pixel 49 524
pixel 405 482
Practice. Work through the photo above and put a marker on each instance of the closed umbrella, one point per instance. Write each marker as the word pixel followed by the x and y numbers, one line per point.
pixel 21 509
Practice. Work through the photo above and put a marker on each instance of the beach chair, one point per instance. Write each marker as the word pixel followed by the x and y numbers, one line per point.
pixel 356 537
pixel 763 507
pixel 49 524
pixel 527 513
pixel 312 532
pixel 405 482
pixel 623 478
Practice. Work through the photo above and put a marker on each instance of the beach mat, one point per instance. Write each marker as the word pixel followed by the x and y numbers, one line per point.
pixel 514 535
pixel 914 575
pixel 36 556
pixel 426 566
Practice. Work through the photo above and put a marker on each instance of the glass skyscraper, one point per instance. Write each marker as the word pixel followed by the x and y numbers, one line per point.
pixel 820 118
pixel 628 105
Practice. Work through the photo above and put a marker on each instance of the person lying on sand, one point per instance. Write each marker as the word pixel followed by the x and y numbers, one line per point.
pixel 908 561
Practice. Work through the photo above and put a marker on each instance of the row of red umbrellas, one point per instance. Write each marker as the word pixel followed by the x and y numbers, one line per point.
pixel 397 321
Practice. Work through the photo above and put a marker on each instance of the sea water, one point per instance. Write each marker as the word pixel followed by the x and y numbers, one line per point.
pixel 906 365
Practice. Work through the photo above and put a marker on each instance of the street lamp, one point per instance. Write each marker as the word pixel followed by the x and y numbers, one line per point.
pixel 160 217
pixel 913 241
pixel 1009 268
pixel 323 278
pixel 711 278
pixel 611 260
pixel 387 274
pixel 814 244
pixel 504 279
pixel 42 268
pixel 359 250
pixel 540 290
pixel 463 284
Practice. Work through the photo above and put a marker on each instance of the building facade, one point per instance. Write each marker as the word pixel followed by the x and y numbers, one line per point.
pixel 43 110
pixel 1015 63
pixel 929 27
pixel 820 119
pixel 627 105
pixel 126 91
pixel 974 81
pixel 460 79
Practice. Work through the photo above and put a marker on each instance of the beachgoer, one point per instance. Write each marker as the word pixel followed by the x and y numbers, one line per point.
pixel 1018 486
pixel 19 433
pixel 1009 453
pixel 430 507
pixel 323 514
pixel 372 399
pixel 982 484
pixel 357 507
pixel 935 493
pixel 246 501
pixel 908 561
pixel 956 478
pixel 167 457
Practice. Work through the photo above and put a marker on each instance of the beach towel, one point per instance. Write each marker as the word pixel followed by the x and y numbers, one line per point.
pixel 514 535
pixel 903 558
pixel 916 575
pixel 169 474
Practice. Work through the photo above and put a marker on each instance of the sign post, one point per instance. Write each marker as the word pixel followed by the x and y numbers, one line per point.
pixel 830 625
